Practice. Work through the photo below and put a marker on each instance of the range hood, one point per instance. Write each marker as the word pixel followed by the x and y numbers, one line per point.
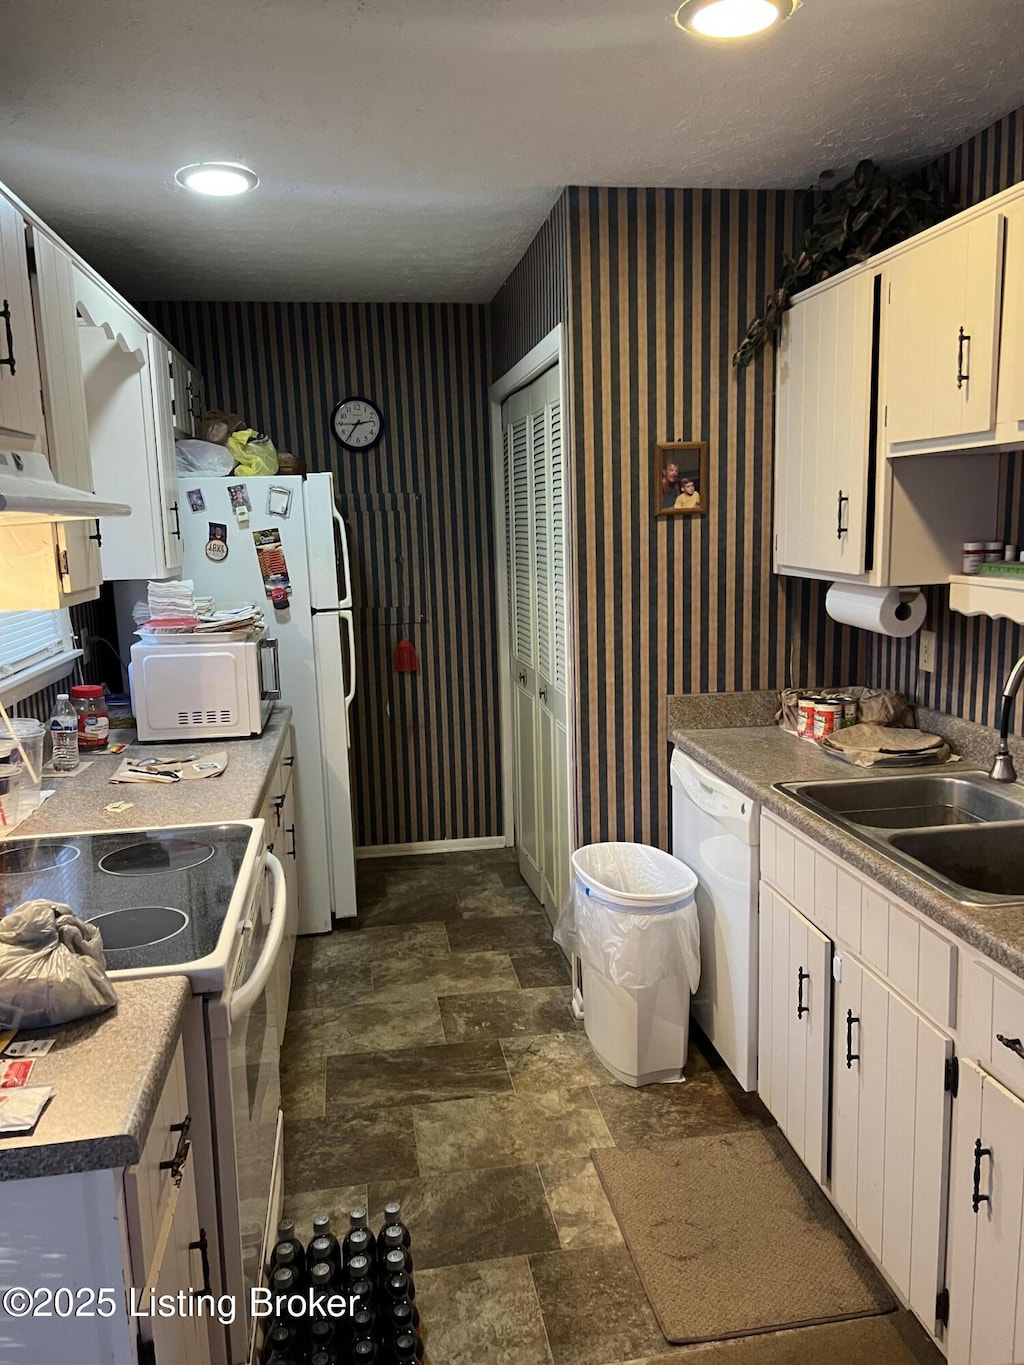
pixel 29 494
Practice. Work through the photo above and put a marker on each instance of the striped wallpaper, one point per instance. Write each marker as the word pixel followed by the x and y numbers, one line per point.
pixel 87 618
pixel 973 653
pixel 535 297
pixel 426 752
pixel 662 285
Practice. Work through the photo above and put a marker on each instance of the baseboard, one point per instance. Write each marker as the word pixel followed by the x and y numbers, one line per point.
pixel 430 846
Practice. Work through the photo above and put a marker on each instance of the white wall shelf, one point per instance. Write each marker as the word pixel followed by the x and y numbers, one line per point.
pixel 988 595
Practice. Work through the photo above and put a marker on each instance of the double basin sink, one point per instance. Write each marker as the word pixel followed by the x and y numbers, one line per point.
pixel 963 833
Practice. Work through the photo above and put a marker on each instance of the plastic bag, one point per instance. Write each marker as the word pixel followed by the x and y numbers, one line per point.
pixel 52 968
pixel 254 453
pixel 203 457
pixel 630 914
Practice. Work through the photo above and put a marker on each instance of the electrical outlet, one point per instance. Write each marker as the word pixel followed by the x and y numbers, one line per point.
pixel 926 651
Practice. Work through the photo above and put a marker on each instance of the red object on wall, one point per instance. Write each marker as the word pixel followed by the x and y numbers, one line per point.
pixel 406 659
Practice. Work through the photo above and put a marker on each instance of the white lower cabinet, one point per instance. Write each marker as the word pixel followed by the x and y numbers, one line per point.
pixel 280 816
pixel 890 1131
pixel 793 1027
pixel 986 1261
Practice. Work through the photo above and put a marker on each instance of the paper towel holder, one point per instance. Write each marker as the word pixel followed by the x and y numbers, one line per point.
pixel 907 597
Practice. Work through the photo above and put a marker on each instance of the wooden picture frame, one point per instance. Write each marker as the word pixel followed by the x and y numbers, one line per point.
pixel 680 479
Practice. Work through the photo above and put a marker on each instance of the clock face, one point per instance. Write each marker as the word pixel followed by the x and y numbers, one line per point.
pixel 357 423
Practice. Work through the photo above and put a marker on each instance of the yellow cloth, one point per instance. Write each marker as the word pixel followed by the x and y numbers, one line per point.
pixel 686 502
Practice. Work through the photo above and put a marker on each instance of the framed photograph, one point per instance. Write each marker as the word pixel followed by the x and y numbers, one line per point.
pixel 680 478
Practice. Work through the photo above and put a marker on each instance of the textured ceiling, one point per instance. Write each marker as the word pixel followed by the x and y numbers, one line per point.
pixel 409 149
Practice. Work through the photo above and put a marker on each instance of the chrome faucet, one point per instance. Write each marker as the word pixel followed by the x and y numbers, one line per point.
pixel 1002 769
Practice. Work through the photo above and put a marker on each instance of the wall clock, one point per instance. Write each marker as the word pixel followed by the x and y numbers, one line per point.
pixel 357 423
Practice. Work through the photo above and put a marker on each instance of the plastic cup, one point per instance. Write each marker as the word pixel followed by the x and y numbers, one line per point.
pixel 10 780
pixel 31 732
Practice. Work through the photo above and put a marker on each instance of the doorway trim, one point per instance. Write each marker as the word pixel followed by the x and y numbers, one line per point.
pixel 552 348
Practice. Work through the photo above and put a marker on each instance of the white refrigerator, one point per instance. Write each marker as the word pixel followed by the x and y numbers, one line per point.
pixel 284 535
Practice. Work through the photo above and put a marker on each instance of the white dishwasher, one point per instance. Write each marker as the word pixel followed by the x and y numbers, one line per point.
pixel 715 831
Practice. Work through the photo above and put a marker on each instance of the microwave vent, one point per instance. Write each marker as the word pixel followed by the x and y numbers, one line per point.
pixel 206 718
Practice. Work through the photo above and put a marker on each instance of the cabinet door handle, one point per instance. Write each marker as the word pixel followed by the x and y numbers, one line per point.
pixel 8 359
pixel 543 694
pixel 977 1199
pixel 801 977
pixel 97 537
pixel 961 374
pixel 851 1056
pixel 177 520
pixel 522 679
pixel 841 530
pixel 290 831
pixel 203 1247
pixel 1014 1044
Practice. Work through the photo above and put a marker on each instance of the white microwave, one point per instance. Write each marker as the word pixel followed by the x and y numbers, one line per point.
pixel 189 688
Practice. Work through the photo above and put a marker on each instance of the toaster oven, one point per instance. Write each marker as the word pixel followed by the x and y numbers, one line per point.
pixel 189 687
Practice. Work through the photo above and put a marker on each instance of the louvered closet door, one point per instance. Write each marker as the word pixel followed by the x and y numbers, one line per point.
pixel 523 634
pixel 534 501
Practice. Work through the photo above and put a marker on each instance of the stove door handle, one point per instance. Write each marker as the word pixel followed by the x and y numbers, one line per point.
pixel 246 996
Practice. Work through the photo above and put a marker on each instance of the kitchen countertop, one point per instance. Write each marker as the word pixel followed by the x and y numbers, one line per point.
pixel 752 756
pixel 107 1073
pixel 79 801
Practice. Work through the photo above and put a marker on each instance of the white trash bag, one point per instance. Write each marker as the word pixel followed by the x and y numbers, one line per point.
pixel 203 458
pixel 630 915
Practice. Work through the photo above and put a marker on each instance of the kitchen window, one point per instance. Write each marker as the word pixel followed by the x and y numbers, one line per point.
pixel 37 648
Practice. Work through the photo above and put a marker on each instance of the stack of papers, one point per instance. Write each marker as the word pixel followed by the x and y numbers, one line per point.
pixel 246 617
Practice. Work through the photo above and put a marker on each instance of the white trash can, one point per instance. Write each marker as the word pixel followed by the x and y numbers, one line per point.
pixel 631 918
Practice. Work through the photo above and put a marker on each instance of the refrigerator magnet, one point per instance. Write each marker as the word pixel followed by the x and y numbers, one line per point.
pixel 239 495
pixel 196 500
pixel 279 501
pixel 273 565
pixel 217 545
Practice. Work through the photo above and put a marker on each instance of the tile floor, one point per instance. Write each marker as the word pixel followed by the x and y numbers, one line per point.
pixel 431 1056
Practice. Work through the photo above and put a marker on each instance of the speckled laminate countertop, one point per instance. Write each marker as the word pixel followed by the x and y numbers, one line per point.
pixel 753 756
pixel 107 1073
pixel 79 801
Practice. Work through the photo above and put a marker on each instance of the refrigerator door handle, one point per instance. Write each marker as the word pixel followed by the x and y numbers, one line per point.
pixel 350 690
pixel 346 587
pixel 271 693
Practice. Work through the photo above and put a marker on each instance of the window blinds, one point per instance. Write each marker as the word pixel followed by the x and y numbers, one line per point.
pixel 29 638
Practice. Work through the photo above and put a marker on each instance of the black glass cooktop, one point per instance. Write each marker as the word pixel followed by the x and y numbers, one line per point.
pixel 158 897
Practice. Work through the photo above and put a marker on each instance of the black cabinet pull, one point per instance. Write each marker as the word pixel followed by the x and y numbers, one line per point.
pixel 1014 1044
pixel 961 374
pixel 977 1199
pixel 801 977
pixel 97 537
pixel 177 521
pixel 851 1056
pixel 290 831
pixel 522 679
pixel 203 1247
pixel 288 761
pixel 841 530
pixel 177 1162
pixel 543 694
pixel 8 359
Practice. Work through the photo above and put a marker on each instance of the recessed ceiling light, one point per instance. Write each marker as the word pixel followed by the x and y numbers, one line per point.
pixel 221 178
pixel 731 18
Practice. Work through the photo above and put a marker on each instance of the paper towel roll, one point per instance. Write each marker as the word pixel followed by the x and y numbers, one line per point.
pixel 886 611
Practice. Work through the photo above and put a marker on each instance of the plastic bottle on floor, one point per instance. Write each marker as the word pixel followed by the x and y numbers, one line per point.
pixel 327 1335
pixel 363 1323
pixel 281 1344
pixel 395 1240
pixel 364 1246
pixel 364 1352
pixel 286 1237
pixel 393 1218
pixel 332 1254
pixel 285 1258
pixel 403 1316
pixel 400 1289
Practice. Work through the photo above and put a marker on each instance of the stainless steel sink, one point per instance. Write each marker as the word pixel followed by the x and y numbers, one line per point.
pixel 983 858
pixel 963 833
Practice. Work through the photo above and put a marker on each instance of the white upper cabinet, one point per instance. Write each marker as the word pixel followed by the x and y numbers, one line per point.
pixel 131 437
pixel 67 422
pixel 21 406
pixel 186 396
pixel 942 336
pixel 823 430
pixel 1010 394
